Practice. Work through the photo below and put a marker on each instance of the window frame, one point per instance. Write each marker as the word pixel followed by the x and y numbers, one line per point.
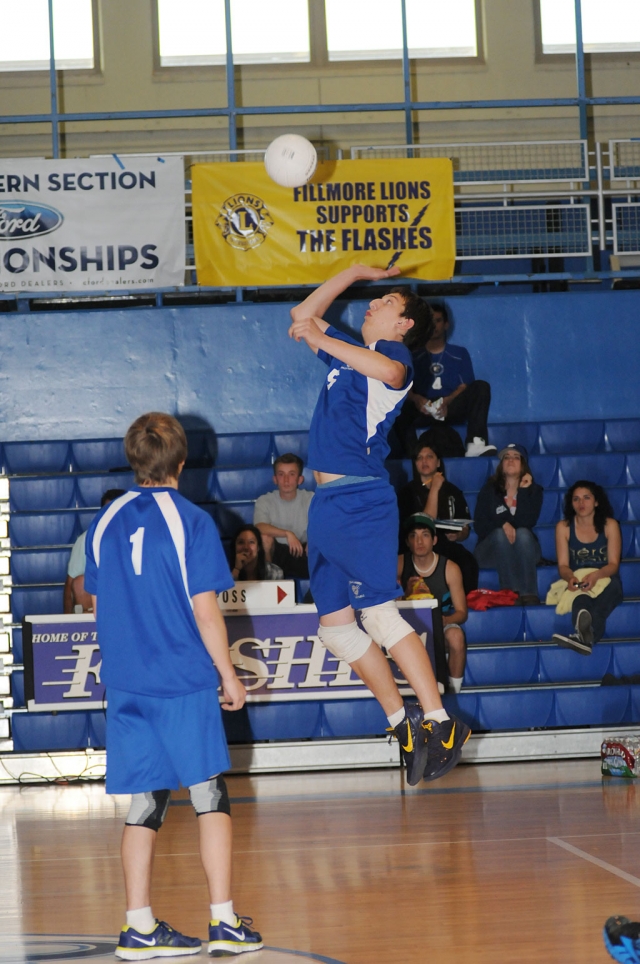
pixel 39 76
pixel 566 58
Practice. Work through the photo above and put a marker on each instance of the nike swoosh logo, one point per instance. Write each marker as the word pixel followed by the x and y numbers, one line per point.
pixel 239 934
pixel 409 747
pixel 449 744
pixel 142 940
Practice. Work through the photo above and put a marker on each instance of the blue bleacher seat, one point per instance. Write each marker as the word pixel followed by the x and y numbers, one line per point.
pixel 37 732
pixel 550 512
pixel 628 534
pixel 547 539
pixel 618 500
pixel 559 665
pixel 501 625
pixel 41 601
pixel 626 659
pixel 634 549
pixel 578 436
pixel 591 706
pixel 472 498
pixel 17 687
pixel 472 539
pixel 546 575
pixel 243 449
pixel 400 472
pixel 194 484
pixel 464 706
pixel 521 711
pixel 604 468
pixel 39 565
pixel 295 442
pixel 235 485
pixel 351 718
pixel 42 529
pixel 541 622
pixel 488 579
pixel 632 513
pixel 53 493
pixel 98 455
pixel 284 721
pixel 630 577
pixel 623 434
pixel 544 469
pixel 501 666
pixel 633 468
pixel 36 457
pixel 468 474
pixel 16 644
pixel 524 433
pixel 91 488
pixel 623 622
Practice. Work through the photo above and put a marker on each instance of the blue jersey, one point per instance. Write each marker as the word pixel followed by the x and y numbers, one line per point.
pixel 439 373
pixel 349 428
pixel 148 553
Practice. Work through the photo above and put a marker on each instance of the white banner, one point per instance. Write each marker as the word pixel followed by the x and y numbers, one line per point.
pixel 91 224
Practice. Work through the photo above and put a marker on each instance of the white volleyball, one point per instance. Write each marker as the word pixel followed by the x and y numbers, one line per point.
pixel 290 160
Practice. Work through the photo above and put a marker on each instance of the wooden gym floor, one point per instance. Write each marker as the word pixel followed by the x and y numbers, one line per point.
pixel 494 863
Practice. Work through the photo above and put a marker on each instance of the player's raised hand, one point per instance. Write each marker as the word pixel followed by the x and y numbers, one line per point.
pixel 234 693
pixel 367 272
pixel 308 330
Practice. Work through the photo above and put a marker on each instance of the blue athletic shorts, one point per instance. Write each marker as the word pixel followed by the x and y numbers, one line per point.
pixel 353 546
pixel 155 743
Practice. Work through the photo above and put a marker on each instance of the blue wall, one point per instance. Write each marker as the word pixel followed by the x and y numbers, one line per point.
pixel 90 373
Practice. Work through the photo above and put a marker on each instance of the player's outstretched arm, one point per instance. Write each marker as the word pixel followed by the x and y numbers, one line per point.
pixel 321 298
pixel 210 622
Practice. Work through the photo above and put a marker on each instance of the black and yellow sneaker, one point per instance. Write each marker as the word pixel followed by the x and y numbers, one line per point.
pixel 411 735
pixel 444 746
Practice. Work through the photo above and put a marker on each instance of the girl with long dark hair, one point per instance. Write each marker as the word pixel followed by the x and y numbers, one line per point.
pixel 250 562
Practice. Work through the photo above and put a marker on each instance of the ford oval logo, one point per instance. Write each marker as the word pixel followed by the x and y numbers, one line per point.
pixel 25 219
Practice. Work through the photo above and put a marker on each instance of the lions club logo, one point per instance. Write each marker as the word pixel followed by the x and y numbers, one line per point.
pixel 244 221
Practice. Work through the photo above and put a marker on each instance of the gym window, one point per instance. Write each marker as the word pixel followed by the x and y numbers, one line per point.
pixel 25 34
pixel 611 27
pixel 192 32
pixel 434 29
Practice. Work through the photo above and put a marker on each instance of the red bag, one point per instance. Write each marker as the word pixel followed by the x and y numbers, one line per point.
pixel 483 599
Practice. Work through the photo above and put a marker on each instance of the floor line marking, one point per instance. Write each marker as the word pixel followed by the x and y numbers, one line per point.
pixel 595 860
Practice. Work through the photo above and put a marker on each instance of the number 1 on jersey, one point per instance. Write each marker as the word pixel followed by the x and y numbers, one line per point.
pixel 136 550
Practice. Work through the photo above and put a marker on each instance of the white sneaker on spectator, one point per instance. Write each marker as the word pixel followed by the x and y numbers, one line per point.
pixel 479 447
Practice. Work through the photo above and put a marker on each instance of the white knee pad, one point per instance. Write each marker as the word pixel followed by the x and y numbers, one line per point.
pixel 384 624
pixel 348 642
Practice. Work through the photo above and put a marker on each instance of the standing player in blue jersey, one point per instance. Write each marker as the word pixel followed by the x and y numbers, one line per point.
pixel 154 567
pixel 353 518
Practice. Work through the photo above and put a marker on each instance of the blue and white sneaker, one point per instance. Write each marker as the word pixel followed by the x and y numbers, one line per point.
pixel 225 940
pixel 622 940
pixel 163 941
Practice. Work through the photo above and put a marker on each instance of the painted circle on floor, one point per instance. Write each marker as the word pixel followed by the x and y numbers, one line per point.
pixel 63 948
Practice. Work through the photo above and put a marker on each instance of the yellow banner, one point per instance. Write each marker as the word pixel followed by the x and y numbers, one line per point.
pixel 249 231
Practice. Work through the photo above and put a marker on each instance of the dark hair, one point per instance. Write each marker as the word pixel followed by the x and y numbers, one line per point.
pixel 424 443
pixel 261 567
pixel 603 509
pixel 497 478
pixel 419 311
pixel 110 495
pixel 441 308
pixel 288 459
pixel 155 445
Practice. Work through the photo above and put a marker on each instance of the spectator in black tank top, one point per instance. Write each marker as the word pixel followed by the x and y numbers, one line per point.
pixel 588 538
pixel 430 492
pixel 421 569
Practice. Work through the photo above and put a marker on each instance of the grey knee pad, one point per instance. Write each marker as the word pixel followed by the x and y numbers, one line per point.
pixel 211 796
pixel 347 643
pixel 384 624
pixel 148 809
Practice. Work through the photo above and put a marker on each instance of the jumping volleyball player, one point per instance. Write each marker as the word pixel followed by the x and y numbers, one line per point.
pixel 154 567
pixel 353 518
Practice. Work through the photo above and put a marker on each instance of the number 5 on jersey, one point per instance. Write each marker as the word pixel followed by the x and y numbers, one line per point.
pixel 136 550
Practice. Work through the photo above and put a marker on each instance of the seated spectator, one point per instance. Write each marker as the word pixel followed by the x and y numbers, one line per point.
pixel 422 569
pixel 281 517
pixel 588 538
pixel 250 562
pixel 446 391
pixel 75 599
pixel 507 509
pixel 430 492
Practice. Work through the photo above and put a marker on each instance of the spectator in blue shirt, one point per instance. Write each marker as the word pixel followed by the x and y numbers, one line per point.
pixel 445 390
